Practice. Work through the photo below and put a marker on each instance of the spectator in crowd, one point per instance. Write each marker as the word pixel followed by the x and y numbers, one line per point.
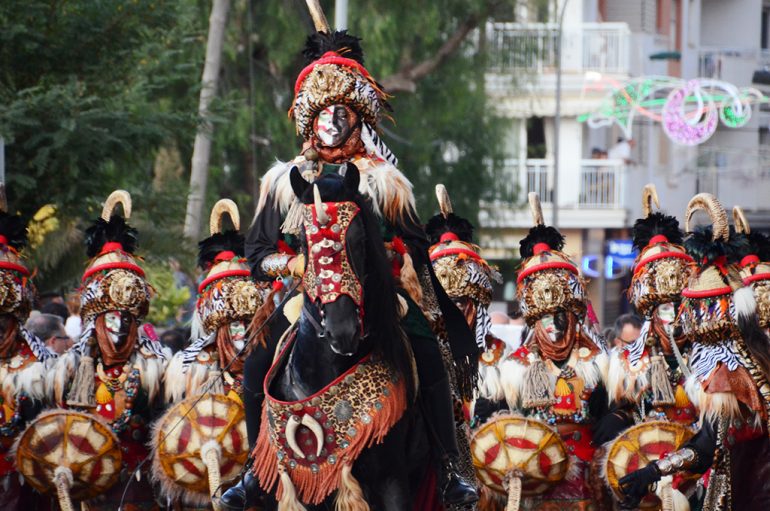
pixel 72 325
pixel 515 314
pixel 622 150
pixel 50 328
pixel 627 329
pixel 57 309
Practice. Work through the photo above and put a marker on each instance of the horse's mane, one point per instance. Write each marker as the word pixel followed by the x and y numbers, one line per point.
pixel 381 317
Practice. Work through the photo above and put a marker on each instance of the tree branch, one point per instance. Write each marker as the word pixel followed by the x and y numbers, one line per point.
pixel 405 80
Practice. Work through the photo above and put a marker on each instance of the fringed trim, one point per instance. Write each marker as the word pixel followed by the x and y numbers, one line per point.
pixel 662 393
pixel 175 378
pixel 538 386
pixel 466 377
pixel 350 496
pixel 314 487
pixel 593 371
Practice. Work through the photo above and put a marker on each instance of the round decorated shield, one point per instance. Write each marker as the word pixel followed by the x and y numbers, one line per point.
pixel 77 442
pixel 197 437
pixel 638 446
pixel 527 448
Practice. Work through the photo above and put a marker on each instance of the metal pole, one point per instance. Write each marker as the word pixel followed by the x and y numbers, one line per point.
pixel 557 120
pixel 341 14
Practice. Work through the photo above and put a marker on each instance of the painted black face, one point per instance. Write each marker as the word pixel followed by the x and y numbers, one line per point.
pixel 118 326
pixel 333 125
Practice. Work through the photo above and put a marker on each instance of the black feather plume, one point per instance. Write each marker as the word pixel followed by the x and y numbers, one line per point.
pixel 439 225
pixel 760 245
pixel 655 224
pixel 116 230
pixel 705 250
pixel 14 229
pixel 209 248
pixel 349 46
pixel 541 234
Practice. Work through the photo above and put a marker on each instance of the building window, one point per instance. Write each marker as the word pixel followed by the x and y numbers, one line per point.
pixel 763 35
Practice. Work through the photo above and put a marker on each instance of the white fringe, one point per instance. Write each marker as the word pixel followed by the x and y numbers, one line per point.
pixel 745 304
pixel 59 378
pixel 512 375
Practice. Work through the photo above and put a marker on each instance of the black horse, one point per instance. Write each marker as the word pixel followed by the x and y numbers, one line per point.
pixel 332 336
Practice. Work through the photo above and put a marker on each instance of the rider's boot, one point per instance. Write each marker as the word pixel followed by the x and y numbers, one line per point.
pixel 241 496
pixel 437 402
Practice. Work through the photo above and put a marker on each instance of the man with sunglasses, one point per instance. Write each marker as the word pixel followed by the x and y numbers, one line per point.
pixel 50 329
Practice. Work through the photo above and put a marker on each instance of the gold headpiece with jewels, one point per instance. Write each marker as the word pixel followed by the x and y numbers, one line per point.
pixel 662 267
pixel 755 271
pixel 113 280
pixel 228 293
pixel 548 280
pixel 462 272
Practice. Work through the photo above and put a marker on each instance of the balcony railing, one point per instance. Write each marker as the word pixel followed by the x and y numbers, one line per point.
pixel 516 47
pixel 600 185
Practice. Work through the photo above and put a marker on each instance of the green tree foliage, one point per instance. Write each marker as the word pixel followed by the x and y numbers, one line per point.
pixel 96 96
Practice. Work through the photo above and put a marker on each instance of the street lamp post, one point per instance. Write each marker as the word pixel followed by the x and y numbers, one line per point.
pixel 557 119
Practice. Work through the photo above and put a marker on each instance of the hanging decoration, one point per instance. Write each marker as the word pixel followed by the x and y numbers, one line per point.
pixel 688 110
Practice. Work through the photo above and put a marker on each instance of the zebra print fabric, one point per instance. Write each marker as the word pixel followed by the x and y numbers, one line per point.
pixel 705 357
pixel 374 144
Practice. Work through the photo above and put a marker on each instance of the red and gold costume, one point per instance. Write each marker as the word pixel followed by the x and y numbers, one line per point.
pixel 115 369
pixel 557 376
pixel 209 445
pixel 24 359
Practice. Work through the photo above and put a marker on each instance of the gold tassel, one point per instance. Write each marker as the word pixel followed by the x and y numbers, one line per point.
pixel 81 392
pixel 680 397
pixel 288 500
pixel 350 497
pixel 662 393
pixel 537 387
pixel 409 280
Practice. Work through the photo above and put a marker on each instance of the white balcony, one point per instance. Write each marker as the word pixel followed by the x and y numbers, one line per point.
pixel 735 65
pixel 531 48
pixel 592 198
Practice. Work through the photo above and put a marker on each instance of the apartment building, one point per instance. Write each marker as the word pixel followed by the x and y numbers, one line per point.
pixel 596 191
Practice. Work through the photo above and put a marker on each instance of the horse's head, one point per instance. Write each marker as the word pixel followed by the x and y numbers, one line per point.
pixel 334 243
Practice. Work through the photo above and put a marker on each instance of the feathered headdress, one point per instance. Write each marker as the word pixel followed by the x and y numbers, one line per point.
pixel 462 271
pixel 335 74
pixel 755 265
pixel 548 280
pixel 662 267
pixel 113 280
pixel 227 293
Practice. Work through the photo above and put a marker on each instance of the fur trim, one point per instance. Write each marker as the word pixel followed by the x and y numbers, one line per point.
pixel 151 373
pixel 512 375
pixel 712 406
pixel 390 191
pixel 591 372
pixel 174 379
pixel 623 382
pixel 31 381
pixel 745 303
pixel 61 375
pixel 490 383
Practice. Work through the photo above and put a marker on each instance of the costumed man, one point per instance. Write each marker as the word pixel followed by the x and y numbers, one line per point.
pixel 646 376
pixel 114 370
pixel 336 108
pixel 558 374
pixel 24 359
pixel 755 266
pixel 468 280
pixel 212 364
pixel 729 363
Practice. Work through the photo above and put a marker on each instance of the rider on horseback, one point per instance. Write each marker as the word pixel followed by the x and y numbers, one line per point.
pixel 336 107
